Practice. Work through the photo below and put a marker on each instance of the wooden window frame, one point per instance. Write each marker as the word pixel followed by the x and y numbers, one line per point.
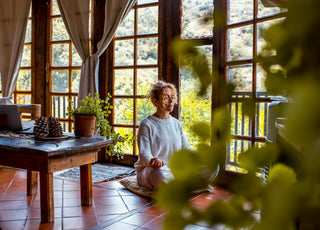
pixel 253 137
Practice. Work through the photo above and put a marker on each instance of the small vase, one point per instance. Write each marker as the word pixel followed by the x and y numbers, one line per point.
pixel 84 125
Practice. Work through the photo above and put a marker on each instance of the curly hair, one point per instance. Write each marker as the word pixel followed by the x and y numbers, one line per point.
pixel 157 88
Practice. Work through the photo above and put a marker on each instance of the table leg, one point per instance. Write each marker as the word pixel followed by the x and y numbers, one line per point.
pixel 32 182
pixel 46 197
pixel 86 184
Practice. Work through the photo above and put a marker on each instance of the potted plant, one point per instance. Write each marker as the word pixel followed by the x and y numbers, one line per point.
pixel 91 115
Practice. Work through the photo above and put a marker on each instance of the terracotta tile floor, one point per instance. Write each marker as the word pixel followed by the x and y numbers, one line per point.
pixel 113 206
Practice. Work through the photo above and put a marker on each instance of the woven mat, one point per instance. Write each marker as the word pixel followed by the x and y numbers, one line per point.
pixel 132 185
pixel 100 172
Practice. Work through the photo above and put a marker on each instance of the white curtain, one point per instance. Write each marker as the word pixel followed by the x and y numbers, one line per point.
pixel 75 14
pixel 13 21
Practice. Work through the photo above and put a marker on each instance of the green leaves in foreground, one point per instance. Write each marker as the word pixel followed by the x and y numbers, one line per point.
pixel 187 54
pixel 234 213
pixel 257 157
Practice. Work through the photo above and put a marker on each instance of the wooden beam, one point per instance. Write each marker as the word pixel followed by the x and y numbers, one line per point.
pixel 40 10
pixel 98 28
pixel 170 14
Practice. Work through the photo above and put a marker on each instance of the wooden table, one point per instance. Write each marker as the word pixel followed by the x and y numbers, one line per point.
pixel 48 156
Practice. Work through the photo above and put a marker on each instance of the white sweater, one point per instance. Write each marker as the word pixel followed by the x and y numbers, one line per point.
pixel 159 138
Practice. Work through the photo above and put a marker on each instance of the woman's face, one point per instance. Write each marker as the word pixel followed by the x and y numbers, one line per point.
pixel 167 100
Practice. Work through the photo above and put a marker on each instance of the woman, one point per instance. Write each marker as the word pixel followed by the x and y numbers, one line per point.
pixel 159 136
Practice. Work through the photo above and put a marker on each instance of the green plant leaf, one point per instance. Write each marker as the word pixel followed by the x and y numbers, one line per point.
pixel 282 174
pixel 202 129
pixel 248 185
pixel 185 164
pixel 257 157
pixel 220 125
pixel 229 213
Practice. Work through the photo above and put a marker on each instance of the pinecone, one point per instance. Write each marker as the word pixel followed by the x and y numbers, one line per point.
pixel 41 128
pixel 55 128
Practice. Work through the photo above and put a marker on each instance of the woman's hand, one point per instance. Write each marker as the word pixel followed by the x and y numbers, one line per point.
pixel 156 163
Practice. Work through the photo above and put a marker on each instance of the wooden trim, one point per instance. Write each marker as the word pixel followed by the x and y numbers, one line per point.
pixel 170 14
pixel 219 65
pixel 98 28
pixel 40 11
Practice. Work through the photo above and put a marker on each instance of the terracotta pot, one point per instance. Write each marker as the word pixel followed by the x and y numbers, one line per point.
pixel 84 125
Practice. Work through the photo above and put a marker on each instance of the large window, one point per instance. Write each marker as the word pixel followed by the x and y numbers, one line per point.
pixel 135 67
pixel 64 68
pixel 245 21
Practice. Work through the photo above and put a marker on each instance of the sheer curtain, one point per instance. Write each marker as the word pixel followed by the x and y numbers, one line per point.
pixel 75 14
pixel 13 22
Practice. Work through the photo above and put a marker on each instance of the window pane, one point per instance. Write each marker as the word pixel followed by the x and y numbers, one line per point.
pixel 148 20
pixel 55 8
pixel 28 32
pixel 240 43
pixel 126 28
pixel 147 51
pixel 140 2
pixel 24 80
pixel 241 77
pixel 240 10
pixel 74 101
pixel 144 108
pixel 60 54
pixel 261 28
pixel 192 12
pixel 123 111
pixel 59 31
pixel 235 148
pixel 75 80
pixel 261 119
pixel 26 56
pixel 76 59
pixel 59 107
pixel 194 108
pixel 123 82
pixel 60 81
pixel 125 147
pixel 146 77
pixel 240 124
pixel 65 126
pixel 267 11
pixel 261 77
pixel 23 98
pixel 123 52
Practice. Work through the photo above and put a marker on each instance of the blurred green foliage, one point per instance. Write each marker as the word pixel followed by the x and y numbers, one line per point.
pixel 290 199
